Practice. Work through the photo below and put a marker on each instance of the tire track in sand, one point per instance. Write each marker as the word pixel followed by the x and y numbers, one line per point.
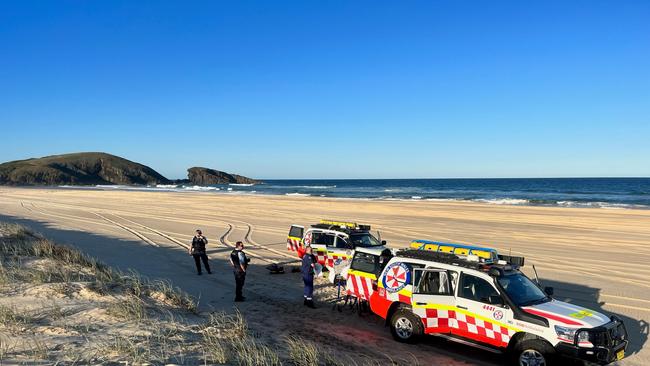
pixel 170 238
pixel 249 240
pixel 132 231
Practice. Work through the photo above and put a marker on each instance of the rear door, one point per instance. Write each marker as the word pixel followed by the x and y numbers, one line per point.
pixel 433 299
pixel 294 239
pixel 481 314
pixel 362 275
pixel 340 253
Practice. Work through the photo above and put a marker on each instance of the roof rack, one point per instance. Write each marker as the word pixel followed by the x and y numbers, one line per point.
pixel 487 255
pixel 493 269
pixel 441 257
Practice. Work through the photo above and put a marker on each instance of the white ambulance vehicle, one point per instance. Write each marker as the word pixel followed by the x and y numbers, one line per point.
pixel 486 302
pixel 333 242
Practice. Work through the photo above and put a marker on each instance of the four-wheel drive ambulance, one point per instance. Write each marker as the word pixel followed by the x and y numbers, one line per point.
pixel 483 301
pixel 333 242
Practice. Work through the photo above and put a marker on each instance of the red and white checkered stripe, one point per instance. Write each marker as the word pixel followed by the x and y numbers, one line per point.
pixel 331 258
pixel 321 257
pixel 359 286
pixel 293 244
pixel 439 321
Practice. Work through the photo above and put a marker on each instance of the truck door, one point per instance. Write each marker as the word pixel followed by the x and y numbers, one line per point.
pixel 339 253
pixel 433 299
pixel 362 275
pixel 294 239
pixel 482 315
pixel 321 241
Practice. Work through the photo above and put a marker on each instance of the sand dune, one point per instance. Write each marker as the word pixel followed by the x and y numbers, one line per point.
pixel 594 257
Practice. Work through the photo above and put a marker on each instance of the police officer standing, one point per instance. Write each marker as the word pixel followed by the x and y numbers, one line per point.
pixel 239 263
pixel 197 250
pixel 308 268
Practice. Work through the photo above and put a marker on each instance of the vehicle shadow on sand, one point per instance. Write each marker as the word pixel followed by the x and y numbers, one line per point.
pixel 590 298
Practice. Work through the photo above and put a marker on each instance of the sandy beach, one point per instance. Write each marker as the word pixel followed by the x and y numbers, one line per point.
pixel 597 258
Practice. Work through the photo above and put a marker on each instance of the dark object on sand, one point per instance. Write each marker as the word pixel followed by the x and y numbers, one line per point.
pixel 295 269
pixel 275 268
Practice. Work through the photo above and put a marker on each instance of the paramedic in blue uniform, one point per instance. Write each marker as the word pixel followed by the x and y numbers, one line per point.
pixel 239 265
pixel 308 267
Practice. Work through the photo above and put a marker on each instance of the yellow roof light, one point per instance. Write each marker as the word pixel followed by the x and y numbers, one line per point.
pixel 351 225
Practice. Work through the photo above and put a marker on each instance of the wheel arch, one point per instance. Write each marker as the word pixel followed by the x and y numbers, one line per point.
pixel 396 305
pixel 525 336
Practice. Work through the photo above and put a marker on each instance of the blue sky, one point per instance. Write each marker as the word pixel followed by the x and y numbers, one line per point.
pixel 332 89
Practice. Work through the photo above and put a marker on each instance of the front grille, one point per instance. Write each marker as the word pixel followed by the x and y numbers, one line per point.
pixel 609 335
pixel 618 334
pixel 599 338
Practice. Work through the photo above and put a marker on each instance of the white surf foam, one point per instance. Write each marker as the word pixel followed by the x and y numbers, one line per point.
pixel 503 201
pixel 200 188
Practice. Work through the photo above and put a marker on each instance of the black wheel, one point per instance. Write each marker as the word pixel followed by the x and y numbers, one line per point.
pixel 533 352
pixel 405 326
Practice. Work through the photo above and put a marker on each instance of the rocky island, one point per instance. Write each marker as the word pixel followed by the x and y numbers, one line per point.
pixel 93 168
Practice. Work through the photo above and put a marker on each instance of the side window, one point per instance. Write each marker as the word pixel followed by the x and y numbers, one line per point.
pixel 477 289
pixel 364 262
pixel 322 238
pixel 341 243
pixel 431 282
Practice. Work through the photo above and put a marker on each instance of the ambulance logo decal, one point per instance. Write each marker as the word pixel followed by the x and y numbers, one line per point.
pixel 498 315
pixel 397 277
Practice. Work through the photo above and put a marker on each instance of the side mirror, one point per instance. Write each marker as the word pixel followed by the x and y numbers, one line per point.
pixel 549 291
pixel 495 300
pixel 383 242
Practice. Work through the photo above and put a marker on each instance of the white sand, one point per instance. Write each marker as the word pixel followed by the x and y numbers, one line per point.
pixel 594 257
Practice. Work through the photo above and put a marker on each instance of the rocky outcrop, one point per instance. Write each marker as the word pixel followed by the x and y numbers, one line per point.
pixel 205 176
pixel 78 169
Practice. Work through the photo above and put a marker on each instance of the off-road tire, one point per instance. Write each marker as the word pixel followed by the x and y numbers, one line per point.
pixel 533 352
pixel 405 326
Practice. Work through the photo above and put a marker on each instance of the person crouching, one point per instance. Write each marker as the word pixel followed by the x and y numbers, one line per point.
pixel 197 250
pixel 308 269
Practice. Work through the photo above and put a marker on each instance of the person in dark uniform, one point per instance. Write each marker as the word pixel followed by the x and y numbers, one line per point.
pixel 308 268
pixel 239 263
pixel 197 250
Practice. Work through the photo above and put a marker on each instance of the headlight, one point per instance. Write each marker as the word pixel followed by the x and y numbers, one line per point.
pixel 569 334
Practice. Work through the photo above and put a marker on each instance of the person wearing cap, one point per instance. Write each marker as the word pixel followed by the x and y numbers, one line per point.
pixel 239 263
pixel 308 269
pixel 197 250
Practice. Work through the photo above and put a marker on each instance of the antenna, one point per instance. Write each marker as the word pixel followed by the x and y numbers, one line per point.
pixel 536 277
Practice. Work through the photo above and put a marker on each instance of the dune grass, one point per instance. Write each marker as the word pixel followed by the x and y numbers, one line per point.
pixel 149 316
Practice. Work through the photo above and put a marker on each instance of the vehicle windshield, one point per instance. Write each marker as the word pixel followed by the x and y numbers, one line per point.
pixel 521 290
pixel 363 240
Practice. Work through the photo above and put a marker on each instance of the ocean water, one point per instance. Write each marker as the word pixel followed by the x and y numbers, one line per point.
pixel 612 193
